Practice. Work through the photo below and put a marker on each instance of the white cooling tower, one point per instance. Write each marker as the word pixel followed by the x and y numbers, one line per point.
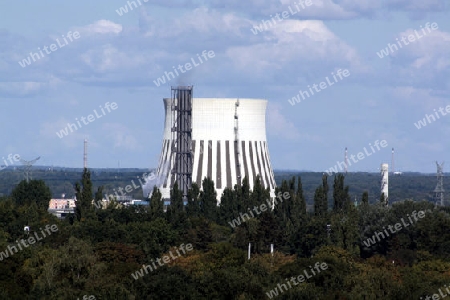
pixel 228 142
pixel 385 183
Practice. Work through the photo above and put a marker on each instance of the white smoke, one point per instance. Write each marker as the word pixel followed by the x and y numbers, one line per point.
pixel 152 180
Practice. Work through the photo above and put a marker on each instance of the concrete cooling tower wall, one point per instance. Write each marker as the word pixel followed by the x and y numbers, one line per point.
pixel 228 142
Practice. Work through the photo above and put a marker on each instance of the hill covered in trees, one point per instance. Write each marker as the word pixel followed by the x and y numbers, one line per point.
pixel 414 186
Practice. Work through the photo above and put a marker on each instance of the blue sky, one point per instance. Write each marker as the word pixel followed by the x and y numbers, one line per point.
pixel 117 58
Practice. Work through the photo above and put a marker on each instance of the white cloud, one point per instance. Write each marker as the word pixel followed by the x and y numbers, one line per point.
pixel 417 100
pixel 204 20
pixel 21 89
pixel 291 44
pixel 417 5
pixel 122 137
pixel 278 125
pixel 73 139
pixel 431 50
pixel 108 57
pixel 100 27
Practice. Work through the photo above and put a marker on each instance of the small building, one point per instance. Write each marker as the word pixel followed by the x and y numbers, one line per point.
pixel 61 207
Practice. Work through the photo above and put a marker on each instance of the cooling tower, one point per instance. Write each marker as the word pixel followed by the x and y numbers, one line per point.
pixel 228 142
pixel 385 183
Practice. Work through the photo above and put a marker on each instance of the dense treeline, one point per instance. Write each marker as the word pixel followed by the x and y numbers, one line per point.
pixel 96 251
pixel 414 186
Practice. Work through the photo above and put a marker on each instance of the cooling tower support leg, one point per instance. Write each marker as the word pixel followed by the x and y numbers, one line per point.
pixel 237 152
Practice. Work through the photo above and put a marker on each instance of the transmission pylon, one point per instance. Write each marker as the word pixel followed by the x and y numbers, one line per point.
pixel 28 164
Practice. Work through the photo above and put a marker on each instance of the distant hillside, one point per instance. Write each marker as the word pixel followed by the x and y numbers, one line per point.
pixel 411 185
pixel 62 180
pixel 416 186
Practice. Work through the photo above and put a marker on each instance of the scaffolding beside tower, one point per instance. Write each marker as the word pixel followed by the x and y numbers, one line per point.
pixel 181 150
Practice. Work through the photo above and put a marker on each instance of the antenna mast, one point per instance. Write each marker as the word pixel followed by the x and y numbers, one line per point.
pixel 392 162
pixel 346 160
pixel 439 190
pixel 85 154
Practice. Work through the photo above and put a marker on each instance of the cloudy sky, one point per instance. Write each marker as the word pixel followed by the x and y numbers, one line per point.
pixel 115 55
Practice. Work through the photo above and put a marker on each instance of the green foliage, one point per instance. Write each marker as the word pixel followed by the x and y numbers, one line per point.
pixel 345 231
pixel 208 200
pixel 98 255
pixel 193 205
pixel 281 208
pixel 258 195
pixel 156 204
pixel 365 198
pixel 341 196
pixel 300 201
pixel 200 233
pixel 320 202
pixel 83 194
pixel 228 208
pixel 34 191
pixel 176 213
pixel 243 195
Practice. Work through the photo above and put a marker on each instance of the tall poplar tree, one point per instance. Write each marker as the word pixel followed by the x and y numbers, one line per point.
pixel 208 200
pixel 176 214
pixel 319 208
pixel 228 209
pixel 193 201
pixel 341 197
pixel 156 204
pixel 365 198
pixel 83 193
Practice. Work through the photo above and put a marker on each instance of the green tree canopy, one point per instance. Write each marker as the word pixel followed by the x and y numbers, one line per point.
pixel 34 191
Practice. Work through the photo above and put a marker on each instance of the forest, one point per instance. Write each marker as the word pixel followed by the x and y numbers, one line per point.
pixel 335 249
pixel 409 185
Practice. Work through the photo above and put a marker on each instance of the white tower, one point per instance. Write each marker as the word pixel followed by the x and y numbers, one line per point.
pixel 228 140
pixel 385 183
